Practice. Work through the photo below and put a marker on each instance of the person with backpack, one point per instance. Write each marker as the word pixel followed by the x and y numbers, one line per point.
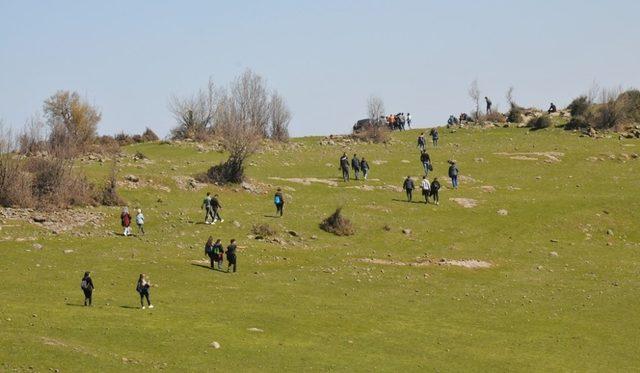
pixel 422 143
pixel 344 166
pixel 425 159
pixel 142 287
pixel 434 136
pixel 435 187
pixel 208 209
pixel 216 206
pixel 208 250
pixel 408 187
pixel 278 200
pixel 364 166
pixel 125 220
pixel 355 164
pixel 486 99
pixel 218 253
pixel 140 221
pixel 426 189
pixel 231 255
pixel 87 288
pixel 453 174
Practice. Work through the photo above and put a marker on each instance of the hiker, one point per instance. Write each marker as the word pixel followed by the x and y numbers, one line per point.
pixel 488 104
pixel 218 253
pixel 401 119
pixel 452 120
pixel 364 166
pixel 140 221
pixel 435 187
pixel 206 205
pixel 408 186
pixel 425 159
pixel 208 250
pixel 426 188
pixel 216 206
pixel 434 136
pixel 231 255
pixel 344 166
pixel 463 118
pixel 355 164
pixel 278 200
pixel 422 143
pixel 409 120
pixel 552 108
pixel 125 220
pixel 87 288
pixel 142 287
pixel 453 174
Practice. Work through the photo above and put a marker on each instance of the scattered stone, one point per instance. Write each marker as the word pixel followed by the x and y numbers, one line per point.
pixel 37 246
pixel 465 202
pixel 314 237
pixel 39 219
pixel 554 254
pixel 257 330
pixel 554 240
pixel 132 178
pixel 503 212
pixel 293 233
pixel 68 251
pixel 236 224
pixel 215 345
pixel 406 231
pixel 609 232
pixel 488 188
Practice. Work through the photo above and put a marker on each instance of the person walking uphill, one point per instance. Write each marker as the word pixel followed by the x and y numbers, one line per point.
pixel 408 187
pixel 435 187
pixel 344 166
pixel 425 159
pixel 434 136
pixel 364 166
pixel 355 164
pixel 278 200
pixel 208 210
pixel 453 174
pixel 87 288
pixel 422 143
pixel 231 255
pixel 426 189
pixel 125 220
pixel 142 287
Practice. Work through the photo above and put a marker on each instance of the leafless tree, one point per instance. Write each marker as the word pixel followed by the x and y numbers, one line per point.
pixel 474 94
pixel 375 109
pixel 250 99
pixel 509 97
pixel 32 138
pixel 280 117
pixel 195 114
pixel 73 122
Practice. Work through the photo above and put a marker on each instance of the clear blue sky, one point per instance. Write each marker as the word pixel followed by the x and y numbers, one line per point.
pixel 326 57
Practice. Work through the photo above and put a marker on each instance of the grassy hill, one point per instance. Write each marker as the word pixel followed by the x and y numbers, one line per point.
pixel 561 293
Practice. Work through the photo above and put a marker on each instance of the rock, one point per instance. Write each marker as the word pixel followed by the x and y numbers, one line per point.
pixel 236 224
pixel 132 178
pixel 503 212
pixel 539 268
pixel 314 237
pixel 68 251
pixel 406 231
pixel 39 219
pixel 258 330
pixel 554 240
pixel 479 160
pixel 293 233
pixel 37 246
pixel 215 345
pixel 609 232
pixel 465 202
pixel 554 254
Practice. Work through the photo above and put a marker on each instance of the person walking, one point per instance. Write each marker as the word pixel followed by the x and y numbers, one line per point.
pixel 208 209
pixel 218 253
pixel 453 174
pixel 231 255
pixel 140 221
pixel 426 188
pixel 435 187
pixel 422 143
pixel 125 220
pixel 87 288
pixel 278 200
pixel 486 99
pixel 216 207
pixel 408 187
pixel 425 159
pixel 355 164
pixel 409 120
pixel 142 287
pixel 344 166
pixel 208 250
pixel 434 136
pixel 364 166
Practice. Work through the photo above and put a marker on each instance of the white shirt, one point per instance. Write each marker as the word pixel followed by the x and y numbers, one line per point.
pixel 425 184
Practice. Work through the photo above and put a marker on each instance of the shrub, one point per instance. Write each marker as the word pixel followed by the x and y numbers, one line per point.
pixel 579 106
pixel 15 185
pixel 543 121
pixel 139 155
pixel 73 122
pixel 515 114
pixel 109 195
pixel 137 138
pixel 373 133
pixel 263 230
pixel 55 184
pixel 338 224
pixel 495 117
pixel 148 135
pixel 228 172
pixel 123 139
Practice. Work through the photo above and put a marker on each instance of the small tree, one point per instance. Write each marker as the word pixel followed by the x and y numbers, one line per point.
pixel 375 109
pixel 73 122
pixel 195 115
pixel 251 101
pixel 280 117
pixel 474 94
pixel 32 139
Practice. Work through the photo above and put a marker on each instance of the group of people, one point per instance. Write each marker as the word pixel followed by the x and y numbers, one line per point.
pixel 212 207
pixel 215 251
pixel 422 142
pixel 356 164
pixel 398 121
pixel 125 221
pixel 142 288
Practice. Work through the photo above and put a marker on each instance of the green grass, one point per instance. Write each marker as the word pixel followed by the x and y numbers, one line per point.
pixel 319 308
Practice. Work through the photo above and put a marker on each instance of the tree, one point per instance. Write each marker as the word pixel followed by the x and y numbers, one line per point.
pixel 73 122
pixel 280 117
pixel 375 109
pixel 195 115
pixel 250 100
pixel 474 93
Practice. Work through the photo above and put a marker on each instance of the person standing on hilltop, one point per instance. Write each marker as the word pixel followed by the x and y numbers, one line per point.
pixel 87 288
pixel 422 143
pixel 435 187
pixel 216 206
pixel 434 136
pixel 425 159
pixel 208 210
pixel 364 166
pixel 344 166
pixel 125 220
pixel 355 164
pixel 409 120
pixel 408 187
pixel 278 200
pixel 231 255
pixel 453 174
pixel 488 104
pixel 426 189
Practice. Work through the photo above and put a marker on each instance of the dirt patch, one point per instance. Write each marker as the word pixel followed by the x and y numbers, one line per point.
pixel 379 162
pixel 549 157
pixel 307 180
pixel 488 188
pixel 424 262
pixel 467 203
pixel 55 221
pixel 188 183
pixel 58 343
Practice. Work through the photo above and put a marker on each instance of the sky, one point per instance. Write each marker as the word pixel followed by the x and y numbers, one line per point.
pixel 325 57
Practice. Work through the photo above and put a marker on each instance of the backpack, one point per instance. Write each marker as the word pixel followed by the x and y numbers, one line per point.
pixel 84 285
pixel 277 199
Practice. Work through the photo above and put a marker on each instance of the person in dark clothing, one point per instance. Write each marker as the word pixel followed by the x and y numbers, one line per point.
pixel 218 253
pixel 426 162
pixel 87 288
pixel 208 210
pixel 364 166
pixel 488 104
pixel 208 251
pixel 435 187
pixel 552 108
pixel 216 206
pixel 453 174
pixel 278 200
pixel 408 187
pixel 355 164
pixel 344 166
pixel 422 143
pixel 231 255
pixel 434 136
pixel 142 287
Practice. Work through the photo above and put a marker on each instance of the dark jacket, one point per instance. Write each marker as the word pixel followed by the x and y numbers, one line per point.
pixel 215 204
pixel 434 133
pixel 231 250
pixel 421 140
pixel 88 284
pixel 425 158
pixel 344 162
pixel 435 186
pixel 453 170
pixel 355 163
pixel 364 165
pixel 278 194
pixel 408 184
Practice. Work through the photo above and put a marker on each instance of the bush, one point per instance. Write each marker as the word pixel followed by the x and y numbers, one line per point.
pixel 338 224
pixel 109 195
pixel 229 172
pixel 55 184
pixel 494 117
pixel 15 185
pixel 579 106
pixel 148 135
pixel 73 122
pixel 373 133
pixel 543 121
pixel 263 230
pixel 123 139
pixel 515 114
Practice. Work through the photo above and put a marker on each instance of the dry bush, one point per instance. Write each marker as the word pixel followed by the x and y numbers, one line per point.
pixel 338 224
pixel 280 116
pixel 515 114
pixel 195 115
pixel 109 195
pixel 579 106
pixel 56 184
pixel 31 139
pixel 543 121
pixel 494 116
pixel 123 139
pixel 15 186
pixel 149 136
pixel 373 133
pixel 614 110
pixel 263 230
pixel 73 123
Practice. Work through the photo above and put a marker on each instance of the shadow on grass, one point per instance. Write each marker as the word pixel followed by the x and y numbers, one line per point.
pixel 75 304
pixel 405 201
pixel 271 216
pixel 130 307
